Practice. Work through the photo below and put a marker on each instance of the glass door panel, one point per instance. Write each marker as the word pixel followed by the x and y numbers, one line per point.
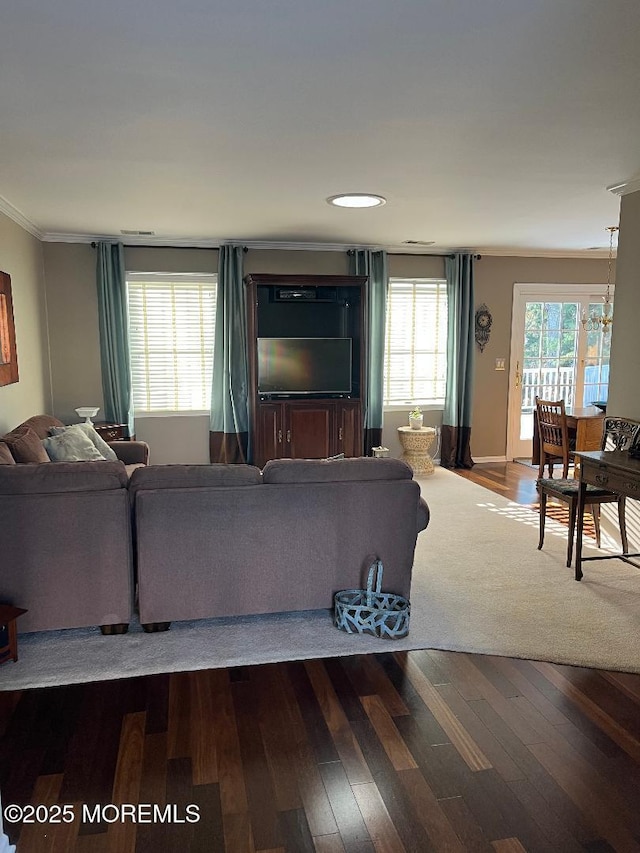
pixel 553 357
pixel 596 362
pixel 549 359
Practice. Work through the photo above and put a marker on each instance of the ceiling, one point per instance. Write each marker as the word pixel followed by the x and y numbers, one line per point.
pixel 492 125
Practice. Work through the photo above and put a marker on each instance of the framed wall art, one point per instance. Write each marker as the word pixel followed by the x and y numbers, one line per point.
pixel 8 352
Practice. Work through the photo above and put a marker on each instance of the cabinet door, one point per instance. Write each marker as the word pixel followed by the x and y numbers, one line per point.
pixel 309 430
pixel 270 433
pixel 349 428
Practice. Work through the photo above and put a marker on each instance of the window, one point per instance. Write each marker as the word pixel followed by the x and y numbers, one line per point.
pixel 416 342
pixel 171 331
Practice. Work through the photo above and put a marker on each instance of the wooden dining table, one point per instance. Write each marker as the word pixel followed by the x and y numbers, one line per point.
pixel 585 423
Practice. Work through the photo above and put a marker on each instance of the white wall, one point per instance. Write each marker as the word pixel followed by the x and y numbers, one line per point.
pixel 624 394
pixel 175 439
pixel 72 300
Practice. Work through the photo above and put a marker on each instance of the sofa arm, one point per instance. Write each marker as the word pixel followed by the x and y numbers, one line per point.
pixel 423 515
pixel 131 452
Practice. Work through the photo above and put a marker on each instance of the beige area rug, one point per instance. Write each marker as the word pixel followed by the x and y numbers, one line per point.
pixel 479 585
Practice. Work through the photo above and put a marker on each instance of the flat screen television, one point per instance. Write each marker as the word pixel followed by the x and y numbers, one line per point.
pixel 288 366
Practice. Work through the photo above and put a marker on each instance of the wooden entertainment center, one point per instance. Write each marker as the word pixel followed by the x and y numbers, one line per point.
pixel 315 416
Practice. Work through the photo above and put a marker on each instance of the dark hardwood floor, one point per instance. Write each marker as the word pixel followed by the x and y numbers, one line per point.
pixel 419 751
pixel 512 480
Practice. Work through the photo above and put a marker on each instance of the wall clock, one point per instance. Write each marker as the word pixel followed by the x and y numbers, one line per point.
pixel 483 326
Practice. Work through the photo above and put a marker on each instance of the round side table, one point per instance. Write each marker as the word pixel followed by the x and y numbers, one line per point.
pixel 416 444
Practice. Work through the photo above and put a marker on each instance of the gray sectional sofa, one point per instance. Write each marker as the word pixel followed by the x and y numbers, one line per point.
pixel 23 445
pixel 226 540
pixel 65 532
pixel 200 540
pixel 65 544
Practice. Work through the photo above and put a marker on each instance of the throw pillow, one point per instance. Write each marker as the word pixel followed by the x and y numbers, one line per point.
pixel 6 457
pixel 98 442
pixel 72 446
pixel 26 446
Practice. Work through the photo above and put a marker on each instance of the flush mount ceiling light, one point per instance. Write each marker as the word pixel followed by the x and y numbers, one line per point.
pixel 357 200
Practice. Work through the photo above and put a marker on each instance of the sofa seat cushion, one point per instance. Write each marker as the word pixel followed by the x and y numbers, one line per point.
pixel 62 477
pixel 72 445
pixel 88 430
pixel 193 477
pixel 335 470
pixel 6 456
pixel 25 445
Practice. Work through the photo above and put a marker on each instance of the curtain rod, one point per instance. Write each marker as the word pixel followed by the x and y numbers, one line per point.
pixel 94 245
pixel 475 256
pixel 434 255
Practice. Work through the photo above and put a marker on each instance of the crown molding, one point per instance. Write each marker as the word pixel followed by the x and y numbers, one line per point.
pixel 490 252
pixel 19 218
pixel 292 246
pixel 625 187
pixel 208 243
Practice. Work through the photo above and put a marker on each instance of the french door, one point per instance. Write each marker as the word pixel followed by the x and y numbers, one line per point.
pixel 552 355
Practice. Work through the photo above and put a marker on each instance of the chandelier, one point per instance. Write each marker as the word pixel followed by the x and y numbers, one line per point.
pixel 592 322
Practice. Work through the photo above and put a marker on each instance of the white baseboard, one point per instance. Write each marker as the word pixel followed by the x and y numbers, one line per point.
pixel 489 458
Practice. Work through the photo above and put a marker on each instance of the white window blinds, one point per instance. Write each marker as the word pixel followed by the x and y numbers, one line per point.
pixel 171 331
pixel 416 342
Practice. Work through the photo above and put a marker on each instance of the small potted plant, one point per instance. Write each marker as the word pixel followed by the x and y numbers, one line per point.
pixel 416 418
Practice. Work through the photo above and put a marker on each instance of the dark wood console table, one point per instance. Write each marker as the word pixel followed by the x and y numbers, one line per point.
pixel 616 471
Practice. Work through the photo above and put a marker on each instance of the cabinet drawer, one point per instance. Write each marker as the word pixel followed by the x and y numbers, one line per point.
pixel 604 478
pixel 112 432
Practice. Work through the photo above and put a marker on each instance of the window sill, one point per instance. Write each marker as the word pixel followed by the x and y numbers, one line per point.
pixel 407 407
pixel 191 413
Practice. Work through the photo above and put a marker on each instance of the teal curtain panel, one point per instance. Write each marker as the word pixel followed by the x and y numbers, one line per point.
pixel 455 451
pixel 229 425
pixel 113 324
pixel 374 265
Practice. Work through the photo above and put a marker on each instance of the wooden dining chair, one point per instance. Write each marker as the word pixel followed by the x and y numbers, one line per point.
pixel 617 434
pixel 556 445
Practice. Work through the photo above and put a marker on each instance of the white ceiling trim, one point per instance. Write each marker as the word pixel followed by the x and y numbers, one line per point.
pixel 19 218
pixel 208 243
pixel 213 243
pixel 625 187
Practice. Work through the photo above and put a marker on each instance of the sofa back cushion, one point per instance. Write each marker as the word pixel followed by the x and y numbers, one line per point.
pixel 62 477
pixel 334 470
pixel 6 457
pixel 25 445
pixel 193 477
pixel 40 424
